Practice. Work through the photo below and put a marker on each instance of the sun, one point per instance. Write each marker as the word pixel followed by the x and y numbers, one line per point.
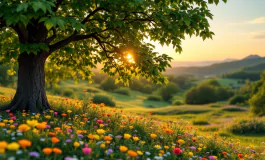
pixel 129 58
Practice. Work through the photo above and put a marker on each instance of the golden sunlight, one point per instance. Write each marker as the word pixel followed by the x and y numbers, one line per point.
pixel 130 58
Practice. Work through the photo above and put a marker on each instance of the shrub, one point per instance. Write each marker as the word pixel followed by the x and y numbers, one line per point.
pixel 68 92
pixel 252 126
pixel 154 98
pixel 108 84
pixel 123 91
pixel 168 91
pixel 177 103
pixel 91 90
pixel 97 99
pixel 234 109
pixel 57 91
pixel 238 99
pixel 200 122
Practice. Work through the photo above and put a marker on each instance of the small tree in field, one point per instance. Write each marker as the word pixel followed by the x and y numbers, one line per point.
pixel 82 33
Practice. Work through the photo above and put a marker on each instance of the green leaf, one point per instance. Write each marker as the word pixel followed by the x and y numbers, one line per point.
pixel 48 24
pixel 23 6
pixel 38 5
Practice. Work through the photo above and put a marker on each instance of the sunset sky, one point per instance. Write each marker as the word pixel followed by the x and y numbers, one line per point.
pixel 239 27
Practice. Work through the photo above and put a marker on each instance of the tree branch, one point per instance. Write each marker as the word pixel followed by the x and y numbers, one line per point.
pixel 91 14
pixel 2 24
pixel 72 38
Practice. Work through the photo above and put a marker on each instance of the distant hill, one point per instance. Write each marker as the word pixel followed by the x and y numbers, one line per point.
pixel 217 68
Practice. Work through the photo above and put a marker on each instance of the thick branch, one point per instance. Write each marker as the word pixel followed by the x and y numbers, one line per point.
pixel 72 38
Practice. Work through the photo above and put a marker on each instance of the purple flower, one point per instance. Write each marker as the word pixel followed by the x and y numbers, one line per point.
pixel 68 141
pixel 109 151
pixel 118 136
pixel 212 158
pixel 48 126
pixel 69 130
pixel 106 125
pixel 34 154
pixel 80 136
pixel 95 127
pixel 193 148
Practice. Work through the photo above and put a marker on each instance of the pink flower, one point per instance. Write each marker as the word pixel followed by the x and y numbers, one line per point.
pixel 55 113
pixel 7 111
pixel 87 151
pixel 13 118
pixel 177 151
pixel 99 121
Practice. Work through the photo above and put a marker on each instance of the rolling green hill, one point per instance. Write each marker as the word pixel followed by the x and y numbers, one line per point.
pixel 219 68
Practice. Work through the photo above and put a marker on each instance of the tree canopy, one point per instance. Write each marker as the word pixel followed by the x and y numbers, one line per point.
pixel 83 33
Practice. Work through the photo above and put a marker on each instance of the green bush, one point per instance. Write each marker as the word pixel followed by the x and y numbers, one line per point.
pixel 109 84
pixel 123 91
pixel 234 109
pixel 238 99
pixel 57 91
pixel 200 122
pixel 97 99
pixel 68 92
pixel 154 98
pixel 167 92
pixel 248 127
pixel 91 90
pixel 177 103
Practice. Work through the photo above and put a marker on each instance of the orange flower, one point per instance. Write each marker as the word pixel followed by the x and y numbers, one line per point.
pixel 41 125
pixel 132 153
pixel 55 140
pixel 57 151
pixel 168 131
pixel 107 138
pixel 64 114
pixel 47 151
pixel 23 128
pixel 52 134
pixel 24 143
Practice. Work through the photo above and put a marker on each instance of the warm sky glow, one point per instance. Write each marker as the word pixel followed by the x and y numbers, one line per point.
pixel 239 27
pixel 130 58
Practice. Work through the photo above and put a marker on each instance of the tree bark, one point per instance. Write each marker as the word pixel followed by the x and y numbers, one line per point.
pixel 30 94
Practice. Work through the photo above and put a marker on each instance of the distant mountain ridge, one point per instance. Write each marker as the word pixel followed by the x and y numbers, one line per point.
pixel 217 68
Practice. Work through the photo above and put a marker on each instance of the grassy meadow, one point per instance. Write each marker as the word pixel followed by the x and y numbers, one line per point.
pixel 209 124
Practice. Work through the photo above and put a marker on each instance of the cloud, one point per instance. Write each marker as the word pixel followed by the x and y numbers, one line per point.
pixel 260 35
pixel 259 20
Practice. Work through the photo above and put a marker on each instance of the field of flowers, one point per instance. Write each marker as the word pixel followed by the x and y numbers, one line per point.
pixel 83 130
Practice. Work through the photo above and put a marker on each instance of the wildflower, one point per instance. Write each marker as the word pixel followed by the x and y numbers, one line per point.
pixel 100 131
pixel 190 154
pixel 76 144
pixel 131 127
pixel 3 144
pixel 107 138
pixel 55 140
pixel 24 143
pixel 23 128
pixel 157 146
pixel 13 146
pixel 177 151
pixel 168 131
pixel 139 153
pixel 41 125
pixel 132 153
pixel 69 111
pixel 102 145
pixel 96 137
pixel 153 135
pixel 181 142
pixel 48 117
pixel 87 151
pixel 64 115
pixel 47 151
pixel 135 138
pixel 34 154
pixel 2 150
pixel 240 155
pixel 212 157
pixel 127 136
pixel 2 124
pixel 100 121
pixel 166 147
pixel 57 150
pixel 123 148
pixel 109 151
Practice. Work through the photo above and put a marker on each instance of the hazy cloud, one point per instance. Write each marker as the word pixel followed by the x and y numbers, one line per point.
pixel 260 35
pixel 259 20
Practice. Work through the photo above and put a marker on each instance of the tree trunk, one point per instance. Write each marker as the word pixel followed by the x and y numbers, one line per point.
pixel 30 94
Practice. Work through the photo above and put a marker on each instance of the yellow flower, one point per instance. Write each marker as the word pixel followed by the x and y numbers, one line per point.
pixel 12 126
pixel 2 150
pixel 23 128
pixel 131 127
pixel 153 135
pixel 135 138
pixel 3 144
pixel 69 111
pixel 199 149
pixel 123 148
pixel 76 144
pixel 100 131
pixel 142 142
pixel 157 146
pixel 166 147
pixel 96 137
pixel 13 146
pixel 48 117
pixel 181 142
pixel 139 153
pixel 101 125
pixel 82 123
pixel 102 145
pixel 127 136
pixel 190 154
pixel 132 153
pixel 5 120
pixel 11 121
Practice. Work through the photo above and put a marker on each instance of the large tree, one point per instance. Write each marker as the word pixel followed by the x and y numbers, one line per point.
pixel 83 33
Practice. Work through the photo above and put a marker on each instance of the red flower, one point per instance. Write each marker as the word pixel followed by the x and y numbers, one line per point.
pixel 240 155
pixel 177 151
pixel 224 153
